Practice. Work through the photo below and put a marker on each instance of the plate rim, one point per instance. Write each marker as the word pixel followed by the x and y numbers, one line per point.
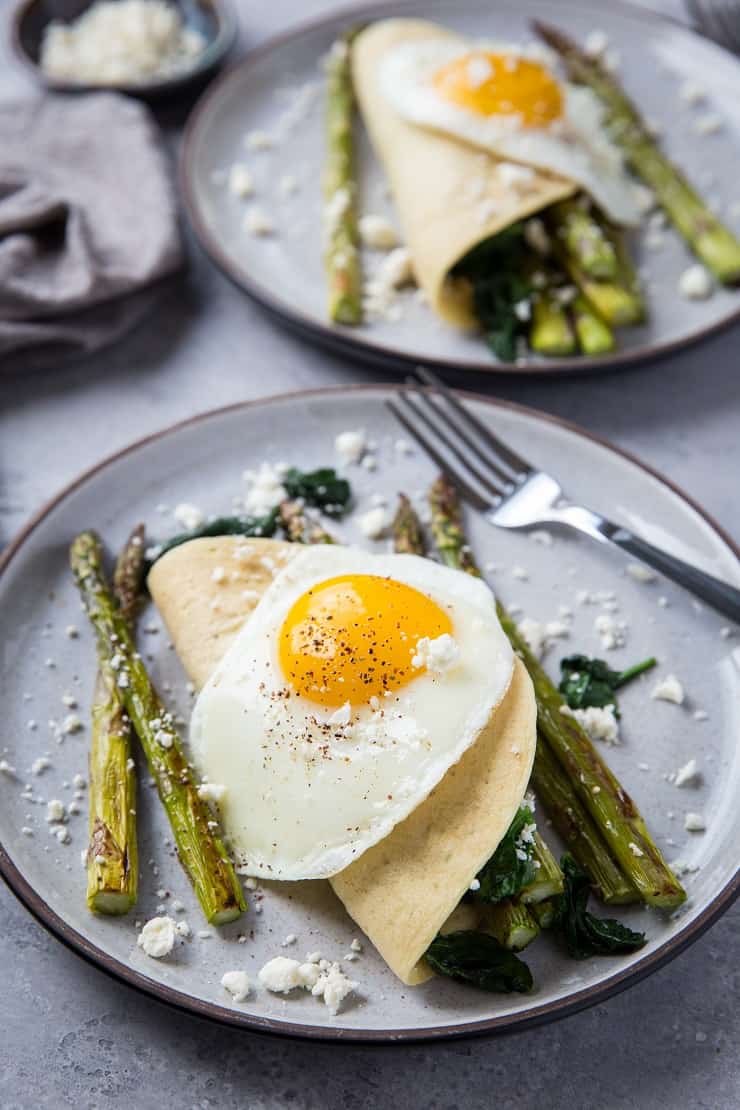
pixel 537 1015
pixel 342 340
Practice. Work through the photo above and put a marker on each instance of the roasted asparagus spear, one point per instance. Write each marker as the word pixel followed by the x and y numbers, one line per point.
pixel 341 254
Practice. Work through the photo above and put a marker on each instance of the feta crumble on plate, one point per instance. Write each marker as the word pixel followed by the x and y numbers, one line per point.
pixel 598 721
pixel 237 984
pixel 668 689
pixel 157 938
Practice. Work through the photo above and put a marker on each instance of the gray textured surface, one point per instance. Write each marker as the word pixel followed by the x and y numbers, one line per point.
pixel 71 1037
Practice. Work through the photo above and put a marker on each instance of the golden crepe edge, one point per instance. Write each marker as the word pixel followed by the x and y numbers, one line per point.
pixel 449 195
pixel 403 889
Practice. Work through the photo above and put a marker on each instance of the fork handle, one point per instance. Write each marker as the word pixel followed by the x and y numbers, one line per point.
pixel 720 595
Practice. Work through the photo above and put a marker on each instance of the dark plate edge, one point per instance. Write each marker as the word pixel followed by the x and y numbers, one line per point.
pixel 537 1015
pixel 341 340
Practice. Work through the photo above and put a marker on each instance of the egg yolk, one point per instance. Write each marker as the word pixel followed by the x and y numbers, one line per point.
pixel 501 85
pixel 353 637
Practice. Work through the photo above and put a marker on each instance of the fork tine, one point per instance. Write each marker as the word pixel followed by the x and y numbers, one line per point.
pixel 443 420
pixel 427 445
pixel 505 455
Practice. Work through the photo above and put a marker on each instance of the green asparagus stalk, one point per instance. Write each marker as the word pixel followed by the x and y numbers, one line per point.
pixel 577 829
pixel 611 808
pixel 714 244
pixel 594 336
pixel 200 849
pixel 300 528
pixel 584 239
pixel 550 331
pixel 511 923
pixel 341 254
pixel 408 537
pixel 549 879
pixel 112 856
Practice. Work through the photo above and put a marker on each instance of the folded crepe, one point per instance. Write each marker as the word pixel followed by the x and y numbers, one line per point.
pixel 403 889
pixel 449 196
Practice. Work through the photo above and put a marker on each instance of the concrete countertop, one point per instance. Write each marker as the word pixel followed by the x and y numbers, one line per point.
pixel 71 1036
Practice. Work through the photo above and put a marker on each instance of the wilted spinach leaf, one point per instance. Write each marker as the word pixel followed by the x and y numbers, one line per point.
pixel 480 960
pixel 511 866
pixel 321 489
pixel 584 934
pixel 498 270
pixel 221 526
pixel 591 682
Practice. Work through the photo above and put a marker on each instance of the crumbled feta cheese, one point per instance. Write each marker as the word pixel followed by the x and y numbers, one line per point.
pixel 635 849
pixel 240 180
pixel 403 447
pixel 520 573
pixel 356 945
pixel 6 769
pixel 668 689
pixel 598 721
pixel 290 939
pixel 350 446
pixel 695 283
pixel 61 832
pixel 694 822
pixel 333 986
pixel 692 93
pixel 596 43
pixel 612 632
pixel 158 936
pixel 237 984
pixel 211 791
pixel 189 516
pixel 265 488
pixel 258 140
pixel 437 655
pixel 640 573
pixel 127 42
pixel 395 271
pixel 79 782
pixel 69 700
pixel 55 810
pixel 282 975
pixel 688 774
pixel 71 724
pixel 40 765
pixel 533 634
pixel 377 233
pixel 373 523
pixel 257 222
pixel 474 885
pixel 708 125
pixel 183 929
pixel 72 631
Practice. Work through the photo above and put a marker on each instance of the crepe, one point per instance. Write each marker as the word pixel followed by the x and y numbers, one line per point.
pixel 449 196
pixel 401 891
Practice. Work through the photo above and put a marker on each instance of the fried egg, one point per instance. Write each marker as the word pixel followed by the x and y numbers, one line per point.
pixel 352 688
pixel 506 99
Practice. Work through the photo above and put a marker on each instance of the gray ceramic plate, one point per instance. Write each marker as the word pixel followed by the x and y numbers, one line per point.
pixel 202 461
pixel 283 272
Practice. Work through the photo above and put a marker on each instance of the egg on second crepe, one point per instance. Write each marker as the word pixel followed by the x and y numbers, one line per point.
pixel 505 99
pixel 353 687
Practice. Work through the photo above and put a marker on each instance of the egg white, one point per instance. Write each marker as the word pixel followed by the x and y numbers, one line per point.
pixel 292 812
pixel 573 147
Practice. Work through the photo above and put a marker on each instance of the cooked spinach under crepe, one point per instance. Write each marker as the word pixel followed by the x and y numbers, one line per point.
pixel 402 889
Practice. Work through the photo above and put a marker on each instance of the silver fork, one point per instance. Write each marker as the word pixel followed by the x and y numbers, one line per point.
pixel 513 494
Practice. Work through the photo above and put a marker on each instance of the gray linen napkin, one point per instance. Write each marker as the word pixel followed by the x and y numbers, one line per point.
pixel 88 219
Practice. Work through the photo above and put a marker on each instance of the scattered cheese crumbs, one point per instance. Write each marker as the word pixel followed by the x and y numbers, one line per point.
pixel 40 765
pixel 520 573
pixel 72 631
pixel 258 140
pixel 72 722
pixel 373 523
pixel 290 939
pixel 598 721
pixel 612 632
pixel 356 945
pixel 395 271
pixel 6 769
pixel 635 849
pixel 240 180
pixel 183 929
pixel 29 832
pixel 237 984
pixel 691 93
pixel 695 283
pixel 333 986
pixel 437 655
pixel 129 42
pixel 257 222
pixel 640 573
pixel 211 791
pixel 282 975
pixel 708 125
pixel 189 516
pixel 158 936
pixel 377 233
pixel 688 774
pixel 204 934
pixel 701 715
pixel 313 958
pixel 694 822
pixel 350 446
pixel 61 832
pixel 265 488
pixel 69 700
pixel 55 810
pixel 533 634
pixel 79 782
pixel 596 43
pixel 668 689
pixel 475 885
pixel 218 574
pixel 681 867
pixel 403 447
